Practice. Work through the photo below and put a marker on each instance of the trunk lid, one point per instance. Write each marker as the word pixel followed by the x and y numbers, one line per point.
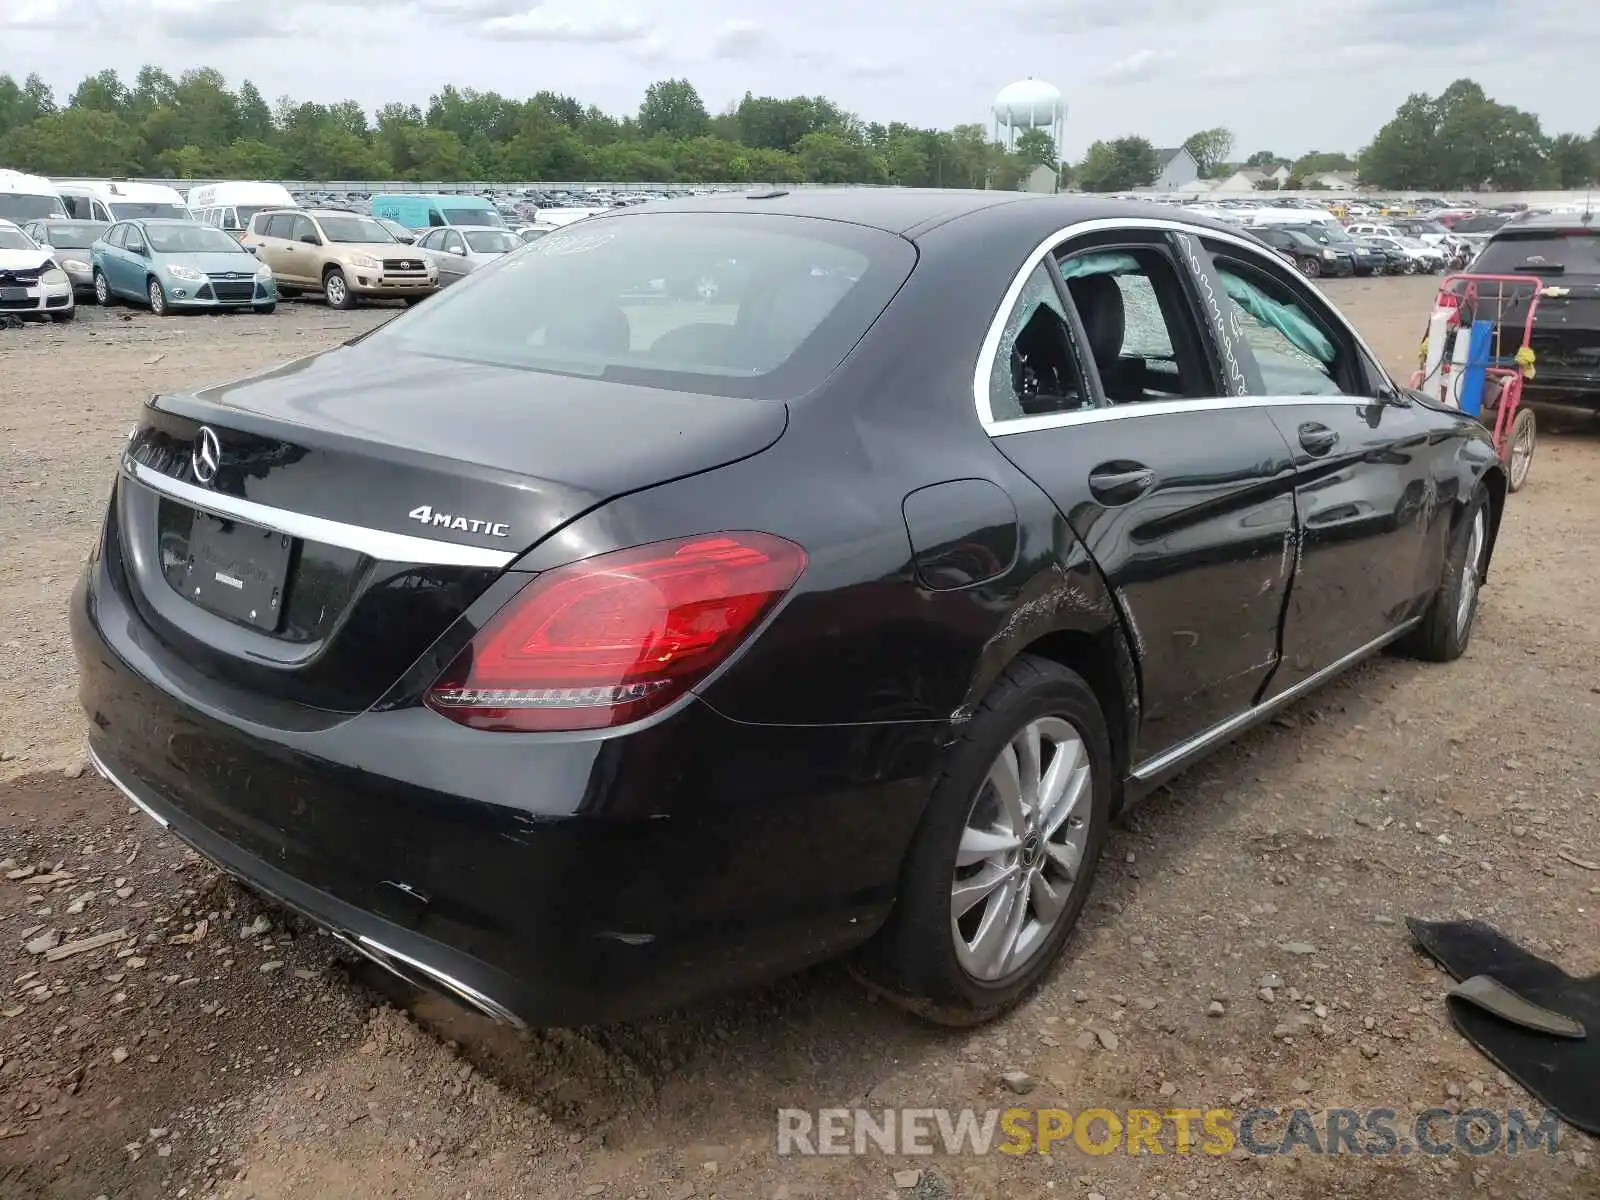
pixel 308 532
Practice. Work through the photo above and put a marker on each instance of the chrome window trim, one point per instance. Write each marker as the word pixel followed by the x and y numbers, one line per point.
pixel 991 342
pixel 375 543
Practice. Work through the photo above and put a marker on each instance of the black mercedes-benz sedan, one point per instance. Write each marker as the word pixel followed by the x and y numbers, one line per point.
pixel 578 644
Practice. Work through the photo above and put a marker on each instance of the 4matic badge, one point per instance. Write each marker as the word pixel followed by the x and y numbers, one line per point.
pixel 443 520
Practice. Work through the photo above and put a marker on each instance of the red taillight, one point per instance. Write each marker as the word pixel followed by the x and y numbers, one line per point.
pixel 613 638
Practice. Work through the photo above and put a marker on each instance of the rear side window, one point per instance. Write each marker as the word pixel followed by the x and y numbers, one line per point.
pixel 730 304
pixel 279 225
pixel 1576 252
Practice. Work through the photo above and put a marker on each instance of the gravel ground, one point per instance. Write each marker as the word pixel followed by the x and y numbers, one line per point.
pixel 1241 948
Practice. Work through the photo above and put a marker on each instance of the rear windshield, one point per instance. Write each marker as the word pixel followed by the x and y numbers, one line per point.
pixel 472 216
pixel 728 304
pixel 1576 252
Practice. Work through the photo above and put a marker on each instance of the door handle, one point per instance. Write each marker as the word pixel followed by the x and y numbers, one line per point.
pixel 1120 483
pixel 1317 439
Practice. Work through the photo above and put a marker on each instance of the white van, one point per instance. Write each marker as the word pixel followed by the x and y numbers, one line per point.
pixel 229 206
pixel 120 200
pixel 1271 215
pixel 25 198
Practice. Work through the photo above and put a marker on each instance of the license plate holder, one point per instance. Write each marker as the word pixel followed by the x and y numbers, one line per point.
pixel 237 570
pixel 13 293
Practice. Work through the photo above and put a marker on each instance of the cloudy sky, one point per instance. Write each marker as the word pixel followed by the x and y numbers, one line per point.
pixel 1285 75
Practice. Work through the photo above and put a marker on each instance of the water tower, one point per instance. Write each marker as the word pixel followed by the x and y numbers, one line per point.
pixel 1029 104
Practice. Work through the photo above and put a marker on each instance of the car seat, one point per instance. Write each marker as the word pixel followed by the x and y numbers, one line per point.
pixel 1098 300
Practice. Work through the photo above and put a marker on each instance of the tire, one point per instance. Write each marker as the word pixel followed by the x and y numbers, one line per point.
pixel 61 318
pixel 930 959
pixel 1520 445
pixel 266 310
pixel 1447 627
pixel 337 290
pixel 102 291
pixel 1311 268
pixel 1411 266
pixel 157 295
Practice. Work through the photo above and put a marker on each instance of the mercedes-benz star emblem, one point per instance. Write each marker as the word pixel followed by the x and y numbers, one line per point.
pixel 206 456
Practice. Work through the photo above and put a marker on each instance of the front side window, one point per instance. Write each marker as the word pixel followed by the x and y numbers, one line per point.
pixel 1292 347
pixel 762 306
pixel 453 243
pixel 300 228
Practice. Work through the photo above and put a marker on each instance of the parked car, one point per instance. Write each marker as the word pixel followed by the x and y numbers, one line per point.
pixel 1562 255
pixel 532 233
pixel 578 656
pixel 458 251
pixel 1314 258
pixel 1396 260
pixel 68 242
pixel 1419 256
pixel 345 256
pixel 171 264
pixel 1365 260
pixel 31 284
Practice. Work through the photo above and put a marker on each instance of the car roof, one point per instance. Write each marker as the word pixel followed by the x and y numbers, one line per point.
pixel 910 212
pixel 1546 223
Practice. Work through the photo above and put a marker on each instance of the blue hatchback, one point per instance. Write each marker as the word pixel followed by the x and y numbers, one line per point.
pixel 171 264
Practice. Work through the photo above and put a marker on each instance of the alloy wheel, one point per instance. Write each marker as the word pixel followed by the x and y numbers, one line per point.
pixel 102 290
pixel 336 290
pixel 1470 571
pixel 1310 268
pixel 1022 849
pixel 158 298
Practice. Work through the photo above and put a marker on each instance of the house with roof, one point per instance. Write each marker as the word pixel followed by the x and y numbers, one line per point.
pixel 1253 179
pixel 1179 171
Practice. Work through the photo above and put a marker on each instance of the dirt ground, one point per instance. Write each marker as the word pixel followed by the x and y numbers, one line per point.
pixel 215 1048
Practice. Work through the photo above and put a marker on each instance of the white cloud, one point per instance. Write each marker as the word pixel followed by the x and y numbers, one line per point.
pixel 1313 74
pixel 541 25
pixel 739 39
pixel 1139 66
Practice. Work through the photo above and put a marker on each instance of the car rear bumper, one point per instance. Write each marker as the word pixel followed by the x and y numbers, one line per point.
pixel 548 879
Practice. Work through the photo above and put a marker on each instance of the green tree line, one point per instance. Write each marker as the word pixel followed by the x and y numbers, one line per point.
pixel 196 126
